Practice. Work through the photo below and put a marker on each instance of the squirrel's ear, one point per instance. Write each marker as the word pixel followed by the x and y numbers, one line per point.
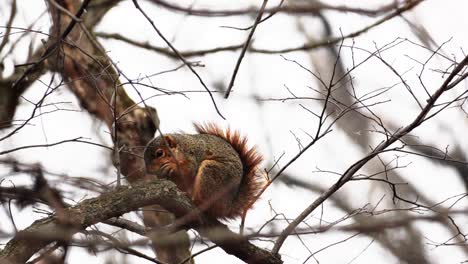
pixel 170 141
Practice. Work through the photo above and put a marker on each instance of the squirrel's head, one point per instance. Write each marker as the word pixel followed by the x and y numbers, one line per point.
pixel 160 155
pixel 165 158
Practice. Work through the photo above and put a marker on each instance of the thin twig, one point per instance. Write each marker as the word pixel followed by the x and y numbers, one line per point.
pixel 349 173
pixel 244 49
pixel 51 49
pixel 135 2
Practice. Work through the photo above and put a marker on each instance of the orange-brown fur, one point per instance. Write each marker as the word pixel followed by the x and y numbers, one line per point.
pixel 215 168
pixel 174 165
pixel 251 182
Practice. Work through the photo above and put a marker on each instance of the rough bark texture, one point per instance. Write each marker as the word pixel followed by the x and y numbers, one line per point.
pixel 10 90
pixel 92 211
pixel 93 79
pixel 9 95
pixel 73 52
pixel 120 201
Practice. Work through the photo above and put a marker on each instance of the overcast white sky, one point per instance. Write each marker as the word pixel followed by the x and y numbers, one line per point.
pixel 266 76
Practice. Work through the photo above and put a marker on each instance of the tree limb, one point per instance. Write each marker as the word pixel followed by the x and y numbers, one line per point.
pixel 120 201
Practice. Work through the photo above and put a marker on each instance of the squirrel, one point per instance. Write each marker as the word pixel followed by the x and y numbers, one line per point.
pixel 214 167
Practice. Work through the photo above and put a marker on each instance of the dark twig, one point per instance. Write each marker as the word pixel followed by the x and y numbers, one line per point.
pixel 77 140
pixel 312 8
pixel 6 35
pixel 51 49
pixel 349 173
pixel 244 49
pixel 135 2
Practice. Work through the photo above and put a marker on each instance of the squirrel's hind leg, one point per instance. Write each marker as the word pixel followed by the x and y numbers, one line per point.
pixel 215 188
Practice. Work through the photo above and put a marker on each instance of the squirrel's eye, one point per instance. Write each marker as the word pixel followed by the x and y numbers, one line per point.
pixel 159 153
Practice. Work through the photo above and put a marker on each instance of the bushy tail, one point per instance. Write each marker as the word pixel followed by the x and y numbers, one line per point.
pixel 251 182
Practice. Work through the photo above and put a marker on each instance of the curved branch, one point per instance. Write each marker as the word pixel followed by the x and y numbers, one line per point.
pixel 349 173
pixel 311 8
pixel 304 47
pixel 118 202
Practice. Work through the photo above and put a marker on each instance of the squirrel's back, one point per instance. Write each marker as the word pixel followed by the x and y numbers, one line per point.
pixel 215 168
pixel 251 182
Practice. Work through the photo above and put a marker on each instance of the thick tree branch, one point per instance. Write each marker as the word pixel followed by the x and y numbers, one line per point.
pixel 120 201
pixel 92 211
pixel 97 9
pixel 94 79
pixel 22 79
pixel 9 97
